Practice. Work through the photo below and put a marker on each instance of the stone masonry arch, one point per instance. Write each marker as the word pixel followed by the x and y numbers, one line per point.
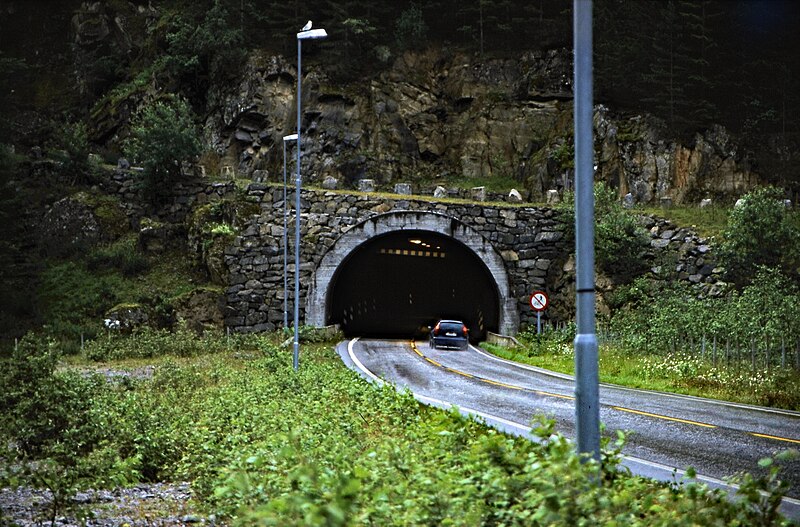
pixel 321 280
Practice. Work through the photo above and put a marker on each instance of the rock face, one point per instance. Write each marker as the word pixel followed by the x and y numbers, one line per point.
pixel 126 317
pixel 68 227
pixel 636 156
pixel 201 309
pixel 436 116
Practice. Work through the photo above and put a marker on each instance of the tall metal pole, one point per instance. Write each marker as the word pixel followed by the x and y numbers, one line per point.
pixel 296 347
pixel 587 398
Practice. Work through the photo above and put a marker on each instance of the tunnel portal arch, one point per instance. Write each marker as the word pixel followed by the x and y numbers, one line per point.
pixel 490 308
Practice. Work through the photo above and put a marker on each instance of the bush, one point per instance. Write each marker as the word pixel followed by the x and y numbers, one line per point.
pixel 73 154
pixel 760 232
pixel 411 31
pixel 42 410
pixel 122 256
pixel 163 137
pixel 620 242
pixel 73 300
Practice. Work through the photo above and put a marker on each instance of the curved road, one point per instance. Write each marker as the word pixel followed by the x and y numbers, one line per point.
pixel 665 431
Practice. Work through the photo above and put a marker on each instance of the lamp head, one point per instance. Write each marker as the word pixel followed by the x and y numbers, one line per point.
pixel 317 34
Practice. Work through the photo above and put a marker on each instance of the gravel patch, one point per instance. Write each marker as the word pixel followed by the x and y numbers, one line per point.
pixel 158 504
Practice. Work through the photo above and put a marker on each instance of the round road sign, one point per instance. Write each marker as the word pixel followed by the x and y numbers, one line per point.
pixel 539 301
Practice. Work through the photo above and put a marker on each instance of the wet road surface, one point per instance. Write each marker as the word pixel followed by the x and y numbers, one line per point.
pixel 665 431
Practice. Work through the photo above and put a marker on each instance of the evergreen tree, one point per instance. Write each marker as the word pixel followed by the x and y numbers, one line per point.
pixel 163 137
pixel 666 77
pixel 697 17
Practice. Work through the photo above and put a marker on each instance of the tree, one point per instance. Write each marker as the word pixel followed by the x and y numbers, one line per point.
pixel 411 31
pixel 760 232
pixel 697 17
pixel 668 69
pixel 73 153
pixel 206 52
pixel 620 242
pixel 163 137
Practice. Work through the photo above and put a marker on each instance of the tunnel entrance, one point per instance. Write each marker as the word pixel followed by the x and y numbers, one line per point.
pixel 396 284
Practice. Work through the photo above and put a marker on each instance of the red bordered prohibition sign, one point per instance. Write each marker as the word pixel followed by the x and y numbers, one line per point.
pixel 539 301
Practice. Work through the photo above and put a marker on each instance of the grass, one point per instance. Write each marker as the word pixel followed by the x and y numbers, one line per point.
pixel 708 222
pixel 75 294
pixel 674 373
pixel 263 444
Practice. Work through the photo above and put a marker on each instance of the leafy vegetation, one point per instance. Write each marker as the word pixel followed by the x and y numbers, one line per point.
pixel 620 241
pixel 761 232
pixel 264 444
pixel 163 137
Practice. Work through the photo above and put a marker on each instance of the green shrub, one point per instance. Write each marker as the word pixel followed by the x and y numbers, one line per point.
pixel 46 412
pixel 163 137
pixel 122 255
pixel 73 154
pixel 73 300
pixel 760 232
pixel 620 242
pixel 411 31
pixel 264 444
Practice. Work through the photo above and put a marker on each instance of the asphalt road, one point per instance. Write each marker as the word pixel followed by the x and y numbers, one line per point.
pixel 665 432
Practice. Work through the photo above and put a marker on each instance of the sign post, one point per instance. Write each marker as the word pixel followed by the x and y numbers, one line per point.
pixel 539 303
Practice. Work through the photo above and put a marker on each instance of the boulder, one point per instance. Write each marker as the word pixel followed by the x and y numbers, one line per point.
pixel 478 193
pixel 366 185
pixel 553 197
pixel 514 196
pixel 201 309
pixel 68 227
pixel 124 318
pixel 705 203
pixel 330 183
pixel 440 192
pixel 627 201
pixel 402 188
pixel 156 237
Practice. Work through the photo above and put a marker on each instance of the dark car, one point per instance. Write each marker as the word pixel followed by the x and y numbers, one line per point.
pixel 450 334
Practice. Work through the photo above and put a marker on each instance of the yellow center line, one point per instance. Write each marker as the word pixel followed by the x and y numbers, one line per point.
pixel 777 438
pixel 504 385
pixel 560 396
pixel 569 397
pixel 659 416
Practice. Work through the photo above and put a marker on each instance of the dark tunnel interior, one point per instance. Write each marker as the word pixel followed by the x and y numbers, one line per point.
pixel 398 284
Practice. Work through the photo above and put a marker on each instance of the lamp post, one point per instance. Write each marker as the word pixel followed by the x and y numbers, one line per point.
pixel 305 34
pixel 286 138
pixel 587 399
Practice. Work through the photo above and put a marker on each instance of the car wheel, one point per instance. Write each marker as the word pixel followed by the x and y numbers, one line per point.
pixel 433 345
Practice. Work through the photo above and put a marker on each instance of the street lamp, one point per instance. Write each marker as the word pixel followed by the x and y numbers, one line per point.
pixel 286 138
pixel 305 34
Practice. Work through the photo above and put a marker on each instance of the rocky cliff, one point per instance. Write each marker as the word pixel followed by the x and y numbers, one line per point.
pixel 439 117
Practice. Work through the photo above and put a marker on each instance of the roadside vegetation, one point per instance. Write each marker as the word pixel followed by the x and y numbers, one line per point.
pixel 263 444
pixel 663 335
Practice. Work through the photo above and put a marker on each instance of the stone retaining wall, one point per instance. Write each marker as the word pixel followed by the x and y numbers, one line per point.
pixel 530 240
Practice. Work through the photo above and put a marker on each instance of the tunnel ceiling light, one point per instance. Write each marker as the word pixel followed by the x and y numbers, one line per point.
pixel 416 241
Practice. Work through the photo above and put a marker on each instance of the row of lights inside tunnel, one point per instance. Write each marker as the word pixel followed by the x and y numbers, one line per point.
pixel 586 374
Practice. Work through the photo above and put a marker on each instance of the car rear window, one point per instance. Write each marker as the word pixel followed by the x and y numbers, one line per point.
pixel 449 327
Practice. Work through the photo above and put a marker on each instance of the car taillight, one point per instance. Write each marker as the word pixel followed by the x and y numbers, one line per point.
pixel 436 330
pixel 464 329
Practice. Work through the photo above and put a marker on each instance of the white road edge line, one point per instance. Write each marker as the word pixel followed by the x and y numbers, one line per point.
pixel 633 459
pixel 564 376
